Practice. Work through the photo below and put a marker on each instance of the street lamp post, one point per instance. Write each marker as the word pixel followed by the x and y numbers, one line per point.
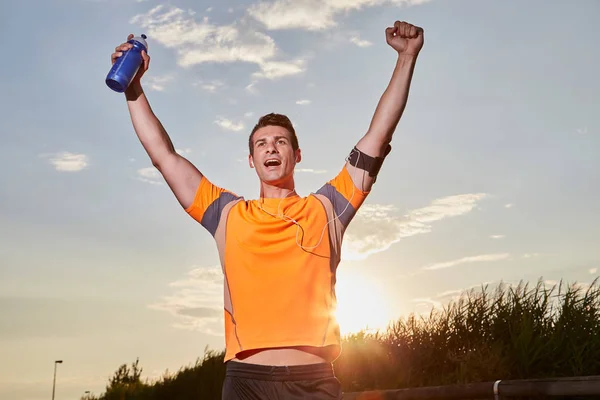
pixel 54 383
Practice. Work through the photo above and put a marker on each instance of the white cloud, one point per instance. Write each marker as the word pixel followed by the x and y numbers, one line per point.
pixel 279 69
pixel 455 294
pixel 509 205
pixel 376 227
pixel 196 301
pixel 311 171
pixel 229 125
pixel 183 151
pixel 593 270
pixel 150 175
pixel 68 162
pixel 211 86
pixel 428 304
pixel 451 206
pixel 303 102
pixel 311 14
pixel 360 42
pixel 468 260
pixel 249 114
pixel 451 294
pixel 427 301
pixel 251 88
pixel 497 237
pixel 530 255
pixel 157 83
pixel 198 42
pixel 437 301
pixel 581 287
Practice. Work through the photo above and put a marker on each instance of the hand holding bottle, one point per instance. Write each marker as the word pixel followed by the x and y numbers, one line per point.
pixel 129 63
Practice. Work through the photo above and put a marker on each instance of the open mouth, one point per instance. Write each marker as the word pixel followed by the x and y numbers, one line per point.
pixel 272 163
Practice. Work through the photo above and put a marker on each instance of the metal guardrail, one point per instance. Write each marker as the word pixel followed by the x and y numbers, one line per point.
pixel 501 389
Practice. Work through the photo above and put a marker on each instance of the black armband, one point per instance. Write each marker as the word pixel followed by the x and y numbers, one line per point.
pixel 367 163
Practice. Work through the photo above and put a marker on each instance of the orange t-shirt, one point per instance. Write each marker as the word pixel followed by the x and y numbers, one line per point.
pixel 277 293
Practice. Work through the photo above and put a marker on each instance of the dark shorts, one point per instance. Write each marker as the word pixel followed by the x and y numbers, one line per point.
pixel 261 382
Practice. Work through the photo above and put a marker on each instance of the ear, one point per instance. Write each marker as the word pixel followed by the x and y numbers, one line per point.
pixel 250 161
pixel 298 156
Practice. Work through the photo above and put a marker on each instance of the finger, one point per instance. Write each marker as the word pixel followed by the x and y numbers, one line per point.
pixel 405 29
pixel 413 31
pixel 389 32
pixel 123 47
pixel 130 36
pixel 114 56
pixel 146 59
pixel 400 28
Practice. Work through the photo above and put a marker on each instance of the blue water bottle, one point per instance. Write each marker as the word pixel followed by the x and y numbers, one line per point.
pixel 125 67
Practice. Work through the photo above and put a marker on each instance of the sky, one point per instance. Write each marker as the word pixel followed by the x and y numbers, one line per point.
pixel 493 176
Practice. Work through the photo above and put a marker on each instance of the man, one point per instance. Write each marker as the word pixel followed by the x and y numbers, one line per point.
pixel 279 253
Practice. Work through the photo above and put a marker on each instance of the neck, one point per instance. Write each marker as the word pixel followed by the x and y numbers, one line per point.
pixel 277 191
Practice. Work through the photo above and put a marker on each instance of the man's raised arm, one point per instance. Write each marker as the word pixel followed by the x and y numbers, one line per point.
pixel 182 176
pixel 407 40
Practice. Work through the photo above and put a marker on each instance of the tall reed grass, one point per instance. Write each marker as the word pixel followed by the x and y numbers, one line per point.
pixel 511 332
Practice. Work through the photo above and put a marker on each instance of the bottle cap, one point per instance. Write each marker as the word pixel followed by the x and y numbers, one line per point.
pixel 142 39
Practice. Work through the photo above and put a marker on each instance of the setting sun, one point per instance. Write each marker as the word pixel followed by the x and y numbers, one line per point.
pixel 362 304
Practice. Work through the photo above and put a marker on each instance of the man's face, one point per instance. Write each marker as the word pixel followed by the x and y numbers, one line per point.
pixel 274 157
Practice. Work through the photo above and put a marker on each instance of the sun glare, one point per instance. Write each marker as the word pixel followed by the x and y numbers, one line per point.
pixel 362 304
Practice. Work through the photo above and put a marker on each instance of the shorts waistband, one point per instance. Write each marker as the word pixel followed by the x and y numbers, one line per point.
pixel 279 373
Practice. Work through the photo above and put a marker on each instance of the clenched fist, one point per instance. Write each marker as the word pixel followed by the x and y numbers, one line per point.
pixel 405 38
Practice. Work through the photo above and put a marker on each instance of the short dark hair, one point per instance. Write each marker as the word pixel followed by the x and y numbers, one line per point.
pixel 273 119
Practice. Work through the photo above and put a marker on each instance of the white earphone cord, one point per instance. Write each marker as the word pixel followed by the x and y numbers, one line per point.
pixel 284 217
